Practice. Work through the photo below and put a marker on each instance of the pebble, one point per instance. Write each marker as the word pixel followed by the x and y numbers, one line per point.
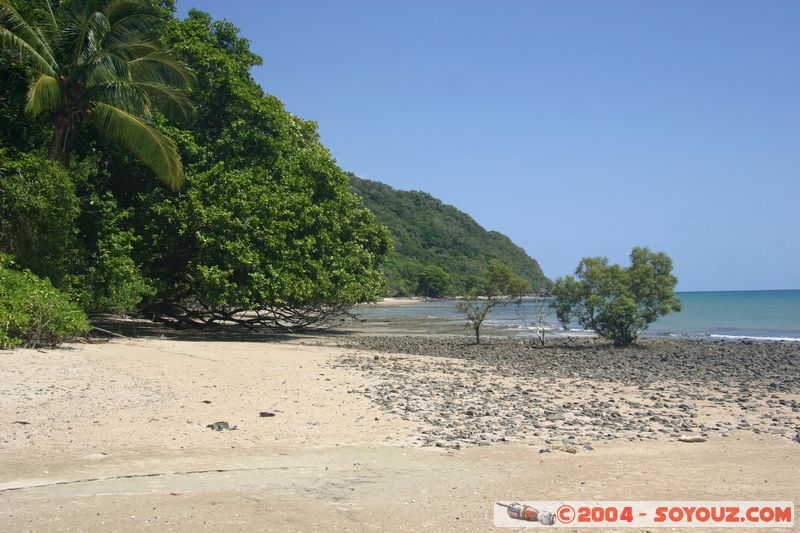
pixel 691 438
pixel 576 391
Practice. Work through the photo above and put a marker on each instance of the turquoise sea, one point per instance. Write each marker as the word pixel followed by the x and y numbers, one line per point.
pixel 768 315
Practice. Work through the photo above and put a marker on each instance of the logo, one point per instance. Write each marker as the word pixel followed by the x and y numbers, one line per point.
pixel 645 514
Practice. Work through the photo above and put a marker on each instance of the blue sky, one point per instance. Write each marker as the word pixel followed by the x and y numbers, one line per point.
pixel 575 127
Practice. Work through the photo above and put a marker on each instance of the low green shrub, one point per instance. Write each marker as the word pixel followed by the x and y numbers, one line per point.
pixel 34 313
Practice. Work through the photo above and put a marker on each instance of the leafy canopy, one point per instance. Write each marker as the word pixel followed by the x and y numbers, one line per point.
pixel 619 303
pixel 98 62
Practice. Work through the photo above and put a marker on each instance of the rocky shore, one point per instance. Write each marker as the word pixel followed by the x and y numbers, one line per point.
pixel 573 392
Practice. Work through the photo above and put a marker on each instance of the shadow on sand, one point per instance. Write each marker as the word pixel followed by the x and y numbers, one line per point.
pixel 109 327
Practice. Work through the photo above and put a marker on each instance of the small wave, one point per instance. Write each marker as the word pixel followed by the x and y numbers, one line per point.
pixel 756 338
pixel 500 323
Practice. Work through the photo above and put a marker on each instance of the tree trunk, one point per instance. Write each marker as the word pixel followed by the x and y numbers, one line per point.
pixel 58 144
pixel 478 334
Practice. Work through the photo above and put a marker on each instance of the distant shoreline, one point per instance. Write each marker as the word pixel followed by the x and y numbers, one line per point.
pixel 399 300
pixel 715 316
pixel 410 300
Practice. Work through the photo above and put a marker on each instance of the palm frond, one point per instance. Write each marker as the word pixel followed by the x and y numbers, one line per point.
pixel 132 21
pixel 118 10
pixel 18 37
pixel 20 50
pixel 161 66
pixel 46 20
pixel 124 94
pixel 148 144
pixel 85 28
pixel 130 31
pixel 170 101
pixel 135 49
pixel 104 67
pixel 44 95
pixel 96 29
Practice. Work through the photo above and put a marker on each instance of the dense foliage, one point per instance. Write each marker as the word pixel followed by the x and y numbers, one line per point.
pixel 428 233
pixel 99 62
pixel 33 313
pixel 500 285
pixel 38 213
pixel 261 244
pixel 265 229
pixel 267 222
pixel 619 303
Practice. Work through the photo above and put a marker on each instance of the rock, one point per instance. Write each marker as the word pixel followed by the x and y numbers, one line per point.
pixel 96 456
pixel 219 426
pixel 484 399
pixel 691 438
pixel 567 449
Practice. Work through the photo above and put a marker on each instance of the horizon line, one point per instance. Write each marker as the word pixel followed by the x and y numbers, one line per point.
pixel 739 290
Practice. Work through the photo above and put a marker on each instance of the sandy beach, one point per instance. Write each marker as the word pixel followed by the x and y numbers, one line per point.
pixel 385 266
pixel 112 436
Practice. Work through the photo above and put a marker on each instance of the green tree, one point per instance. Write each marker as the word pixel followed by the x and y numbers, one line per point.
pixel 96 61
pixel 266 230
pixel 619 303
pixel 434 282
pixel 241 247
pixel 501 285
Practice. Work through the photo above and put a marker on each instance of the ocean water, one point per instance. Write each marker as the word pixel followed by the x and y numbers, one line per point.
pixel 766 315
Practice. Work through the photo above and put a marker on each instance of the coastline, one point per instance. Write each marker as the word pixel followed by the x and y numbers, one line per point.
pixel 714 316
pixel 115 434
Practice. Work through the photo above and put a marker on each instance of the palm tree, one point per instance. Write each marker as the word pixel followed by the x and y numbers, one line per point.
pixel 94 61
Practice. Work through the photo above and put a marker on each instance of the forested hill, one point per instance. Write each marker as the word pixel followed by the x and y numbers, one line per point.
pixel 429 233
